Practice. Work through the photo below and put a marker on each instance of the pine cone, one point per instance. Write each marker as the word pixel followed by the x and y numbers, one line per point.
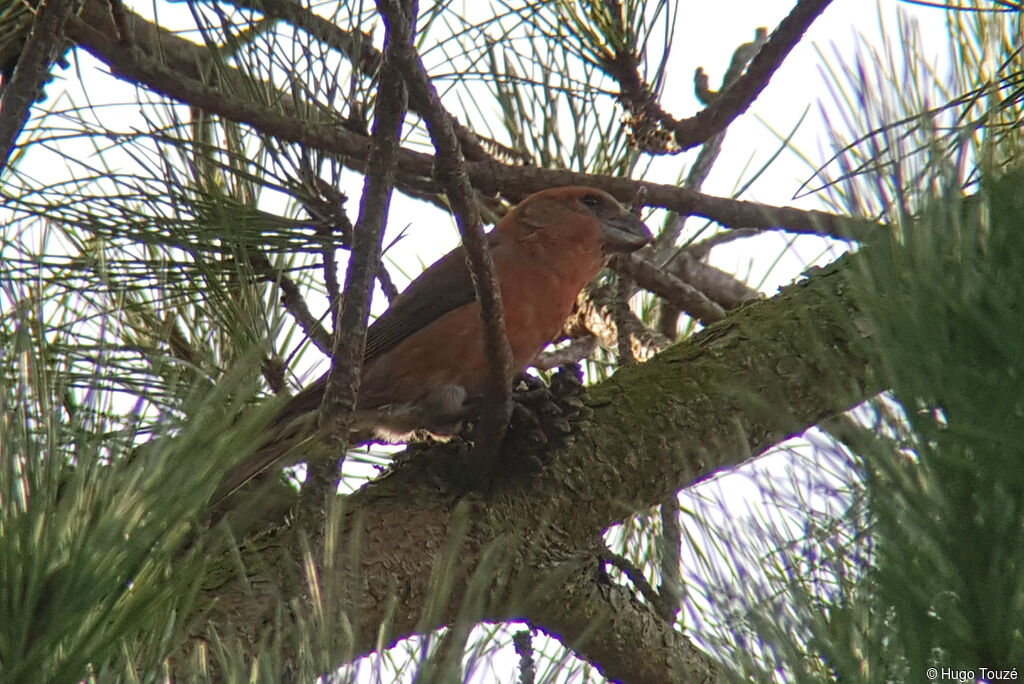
pixel 543 417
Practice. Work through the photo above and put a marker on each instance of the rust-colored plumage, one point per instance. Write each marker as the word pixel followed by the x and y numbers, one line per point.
pixel 424 366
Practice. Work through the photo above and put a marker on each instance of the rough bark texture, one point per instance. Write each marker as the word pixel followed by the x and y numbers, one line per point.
pixel 436 540
pixel 440 539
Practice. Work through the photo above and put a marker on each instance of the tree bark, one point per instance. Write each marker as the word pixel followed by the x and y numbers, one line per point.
pixel 435 541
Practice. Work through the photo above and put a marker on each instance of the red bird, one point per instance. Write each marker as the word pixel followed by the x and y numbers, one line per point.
pixel 424 366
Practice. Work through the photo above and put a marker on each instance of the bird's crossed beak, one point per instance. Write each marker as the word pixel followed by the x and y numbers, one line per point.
pixel 624 233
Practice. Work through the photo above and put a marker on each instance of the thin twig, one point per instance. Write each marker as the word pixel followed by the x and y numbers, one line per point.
pixel 741 57
pixel 669 545
pixel 735 99
pixel 355 46
pixel 451 175
pixel 329 209
pixel 665 243
pixel 293 302
pixel 342 388
pixel 577 350
pixel 523 643
pixel 647 115
pixel 650 277
pixel 699 250
pixel 719 286
pixel 633 574
pixel 387 284
pixel 273 370
pixel 119 13
pixel 337 221
pixel 620 312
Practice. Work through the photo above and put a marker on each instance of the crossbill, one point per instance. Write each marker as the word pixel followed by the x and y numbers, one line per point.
pixel 424 367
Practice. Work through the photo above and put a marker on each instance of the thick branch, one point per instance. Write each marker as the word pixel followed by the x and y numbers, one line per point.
pixel 627 641
pixel 171 77
pixel 490 178
pixel 40 50
pixel 770 370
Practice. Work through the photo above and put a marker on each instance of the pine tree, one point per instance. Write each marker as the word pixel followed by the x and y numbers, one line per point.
pixel 179 255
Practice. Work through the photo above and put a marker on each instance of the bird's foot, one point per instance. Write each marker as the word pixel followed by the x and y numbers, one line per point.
pixel 544 418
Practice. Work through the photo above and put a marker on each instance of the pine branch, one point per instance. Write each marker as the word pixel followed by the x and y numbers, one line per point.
pixel 341 392
pixel 688 298
pixel 741 94
pixel 451 175
pixel 688 415
pixel 179 77
pixel 625 639
pixel 33 68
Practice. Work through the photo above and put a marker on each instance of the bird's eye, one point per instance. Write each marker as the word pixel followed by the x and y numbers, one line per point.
pixel 591 200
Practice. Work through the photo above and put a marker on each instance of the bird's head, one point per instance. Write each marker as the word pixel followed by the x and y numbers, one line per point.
pixel 617 229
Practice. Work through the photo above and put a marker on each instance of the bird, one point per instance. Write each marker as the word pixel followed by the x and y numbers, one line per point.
pixel 424 369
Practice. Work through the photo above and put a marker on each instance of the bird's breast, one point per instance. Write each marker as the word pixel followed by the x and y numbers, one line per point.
pixel 536 298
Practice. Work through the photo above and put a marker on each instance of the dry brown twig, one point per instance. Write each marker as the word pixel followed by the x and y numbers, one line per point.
pixel 342 387
pixel 650 120
pixel 451 175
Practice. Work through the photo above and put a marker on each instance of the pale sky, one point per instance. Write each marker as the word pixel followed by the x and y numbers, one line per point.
pixel 707 33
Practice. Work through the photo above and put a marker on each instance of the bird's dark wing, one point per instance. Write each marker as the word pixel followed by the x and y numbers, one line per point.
pixel 444 286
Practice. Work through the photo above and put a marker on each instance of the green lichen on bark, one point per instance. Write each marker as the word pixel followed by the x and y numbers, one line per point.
pixel 772 369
